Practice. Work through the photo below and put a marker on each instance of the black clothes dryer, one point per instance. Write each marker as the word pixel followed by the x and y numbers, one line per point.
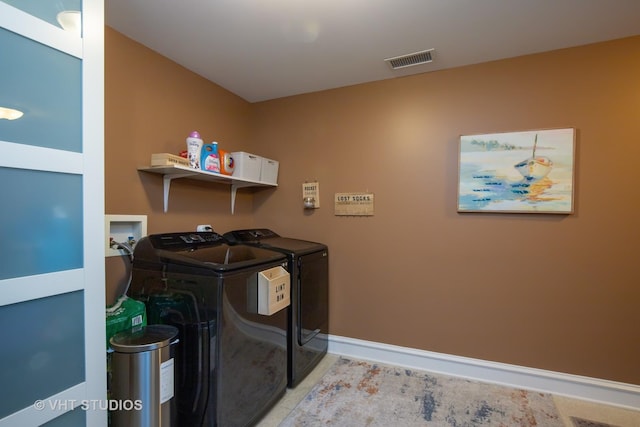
pixel 231 361
pixel 308 314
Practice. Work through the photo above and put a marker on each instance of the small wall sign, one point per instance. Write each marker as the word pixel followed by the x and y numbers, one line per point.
pixel 311 190
pixel 357 204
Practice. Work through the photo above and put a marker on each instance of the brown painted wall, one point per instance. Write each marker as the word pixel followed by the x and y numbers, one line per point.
pixel 151 106
pixel 547 291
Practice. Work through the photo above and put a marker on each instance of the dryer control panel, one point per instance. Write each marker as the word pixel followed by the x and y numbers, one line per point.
pixel 251 235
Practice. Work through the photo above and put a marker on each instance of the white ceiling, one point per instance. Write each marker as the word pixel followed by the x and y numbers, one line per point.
pixel 266 49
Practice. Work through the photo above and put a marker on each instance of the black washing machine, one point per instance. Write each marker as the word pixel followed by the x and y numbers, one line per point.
pixel 308 315
pixel 231 360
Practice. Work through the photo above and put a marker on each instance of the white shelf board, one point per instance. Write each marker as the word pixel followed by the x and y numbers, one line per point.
pixel 172 172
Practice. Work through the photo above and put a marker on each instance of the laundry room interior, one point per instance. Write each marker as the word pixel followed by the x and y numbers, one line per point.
pixel 553 292
pixel 462 224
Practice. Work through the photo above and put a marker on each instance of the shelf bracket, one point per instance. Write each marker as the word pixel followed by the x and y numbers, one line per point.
pixel 166 181
pixel 234 189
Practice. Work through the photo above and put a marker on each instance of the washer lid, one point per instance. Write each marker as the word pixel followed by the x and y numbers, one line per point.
pixel 221 258
pixel 202 250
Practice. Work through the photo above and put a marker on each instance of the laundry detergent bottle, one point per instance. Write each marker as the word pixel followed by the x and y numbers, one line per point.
pixel 210 160
pixel 194 149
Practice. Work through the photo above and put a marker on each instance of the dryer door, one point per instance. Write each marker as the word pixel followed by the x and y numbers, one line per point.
pixel 313 291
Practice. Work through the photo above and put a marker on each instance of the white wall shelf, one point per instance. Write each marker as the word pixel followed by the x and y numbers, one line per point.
pixel 169 173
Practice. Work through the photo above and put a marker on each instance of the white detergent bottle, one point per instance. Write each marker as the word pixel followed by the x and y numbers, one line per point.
pixel 194 148
pixel 210 159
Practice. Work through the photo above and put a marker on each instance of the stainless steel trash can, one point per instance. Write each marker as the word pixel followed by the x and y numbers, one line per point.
pixel 142 386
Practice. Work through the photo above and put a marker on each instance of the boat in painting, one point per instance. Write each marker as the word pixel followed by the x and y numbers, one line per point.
pixel 535 167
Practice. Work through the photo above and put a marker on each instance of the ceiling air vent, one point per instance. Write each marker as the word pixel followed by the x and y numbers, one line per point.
pixel 416 58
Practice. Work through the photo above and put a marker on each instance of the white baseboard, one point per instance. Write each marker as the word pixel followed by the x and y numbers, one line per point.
pixel 575 386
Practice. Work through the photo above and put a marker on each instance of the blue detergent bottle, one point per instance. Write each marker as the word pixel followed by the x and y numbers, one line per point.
pixel 210 159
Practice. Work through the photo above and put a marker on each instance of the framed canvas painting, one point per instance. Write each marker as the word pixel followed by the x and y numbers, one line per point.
pixel 521 172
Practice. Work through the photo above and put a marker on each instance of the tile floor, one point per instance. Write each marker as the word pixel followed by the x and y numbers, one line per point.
pixel 574 413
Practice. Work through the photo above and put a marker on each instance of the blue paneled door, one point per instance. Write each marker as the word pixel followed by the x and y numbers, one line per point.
pixel 44 222
pixel 44 84
pixel 51 292
pixel 47 349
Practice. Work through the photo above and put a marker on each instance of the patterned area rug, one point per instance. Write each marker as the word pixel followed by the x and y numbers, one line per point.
pixel 579 422
pixel 357 393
